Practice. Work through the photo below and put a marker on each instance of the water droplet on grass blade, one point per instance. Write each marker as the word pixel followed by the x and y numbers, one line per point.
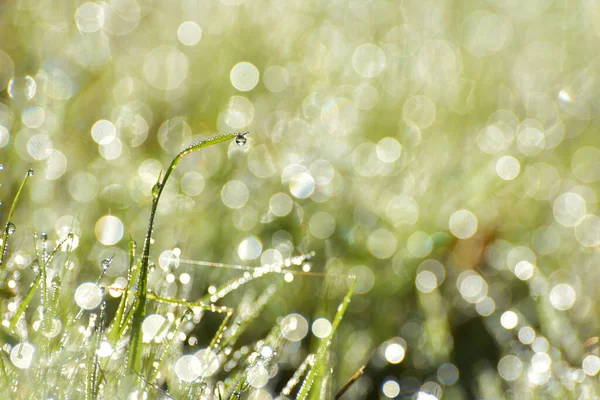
pixel 30 172
pixel 105 263
pixel 11 228
pixel 156 190
pixel 241 139
pixel 22 355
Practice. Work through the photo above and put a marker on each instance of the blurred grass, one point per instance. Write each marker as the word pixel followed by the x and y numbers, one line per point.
pixel 461 62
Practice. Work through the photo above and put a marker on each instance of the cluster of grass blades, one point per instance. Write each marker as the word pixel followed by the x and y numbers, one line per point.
pixel 54 348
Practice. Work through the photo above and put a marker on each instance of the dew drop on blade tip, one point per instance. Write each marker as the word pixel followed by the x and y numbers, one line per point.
pixel 30 172
pixel 241 139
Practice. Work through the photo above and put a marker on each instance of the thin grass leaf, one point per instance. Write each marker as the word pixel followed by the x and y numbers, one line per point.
pixel 318 369
pixel 139 307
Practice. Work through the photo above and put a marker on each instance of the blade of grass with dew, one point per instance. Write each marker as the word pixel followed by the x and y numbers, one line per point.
pixel 9 227
pixel 134 360
pixel 318 369
pixel 115 331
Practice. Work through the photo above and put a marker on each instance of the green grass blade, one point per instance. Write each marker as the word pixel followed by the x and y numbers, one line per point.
pixel 318 368
pixel 139 312
pixel 7 227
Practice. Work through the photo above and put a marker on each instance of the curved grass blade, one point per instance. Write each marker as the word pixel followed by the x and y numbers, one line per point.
pixel 139 307
pixel 9 224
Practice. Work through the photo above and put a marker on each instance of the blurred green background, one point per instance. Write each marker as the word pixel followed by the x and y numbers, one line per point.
pixel 444 152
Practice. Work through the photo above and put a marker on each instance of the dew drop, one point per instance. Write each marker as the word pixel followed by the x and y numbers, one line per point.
pixel 240 139
pixel 11 228
pixel 105 263
pixel 30 172
pixel 56 282
pixel 44 236
pixel 156 190
pixel 22 355
pixel 22 88
pixel 1 167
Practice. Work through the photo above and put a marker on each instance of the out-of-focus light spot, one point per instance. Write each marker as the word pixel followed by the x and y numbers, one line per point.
pixel 545 239
pixel 519 254
pixel 89 17
pixel 7 69
pixel 288 277
pixel 510 368
pixel 390 388
pixel 83 187
pixel 22 355
pixel 238 114
pixel 402 209
pixel 154 328
pixel 472 286
pixel 365 279
pixel 569 209
pixel 492 139
pixel 419 111
pixel 485 33
pixel 524 270
pixel 436 268
pixel 322 225
pixel 192 183
pixel 562 296
pixel 187 368
pixel 33 116
pixel 588 231
pixel 105 349
pixel 302 185
pixel 39 146
pixel 463 224
pixel 88 295
pixel 509 320
pixel 245 218
pixel 426 281
pixel 508 168
pixel 112 150
pixel 389 150
pixel 257 376
pixel 185 278
pixel 530 140
pixel 394 353
pixel 294 327
pixel 526 335
pixel 22 88
pixel 419 244
pixel 250 248
pixel 447 374
pixel 382 243
pixel 321 328
pixel 244 76
pixel 276 79
pixel 235 194
pixel 109 230
pixel 368 60
pixel 4 136
pixel 540 345
pixel 166 68
pixel 585 164
pixel 168 260
pixel 540 362
pixel 591 365
pixel 281 204
pixel 174 135
pixel 209 362
pixel 189 33
pixel 103 132
pixel 365 96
